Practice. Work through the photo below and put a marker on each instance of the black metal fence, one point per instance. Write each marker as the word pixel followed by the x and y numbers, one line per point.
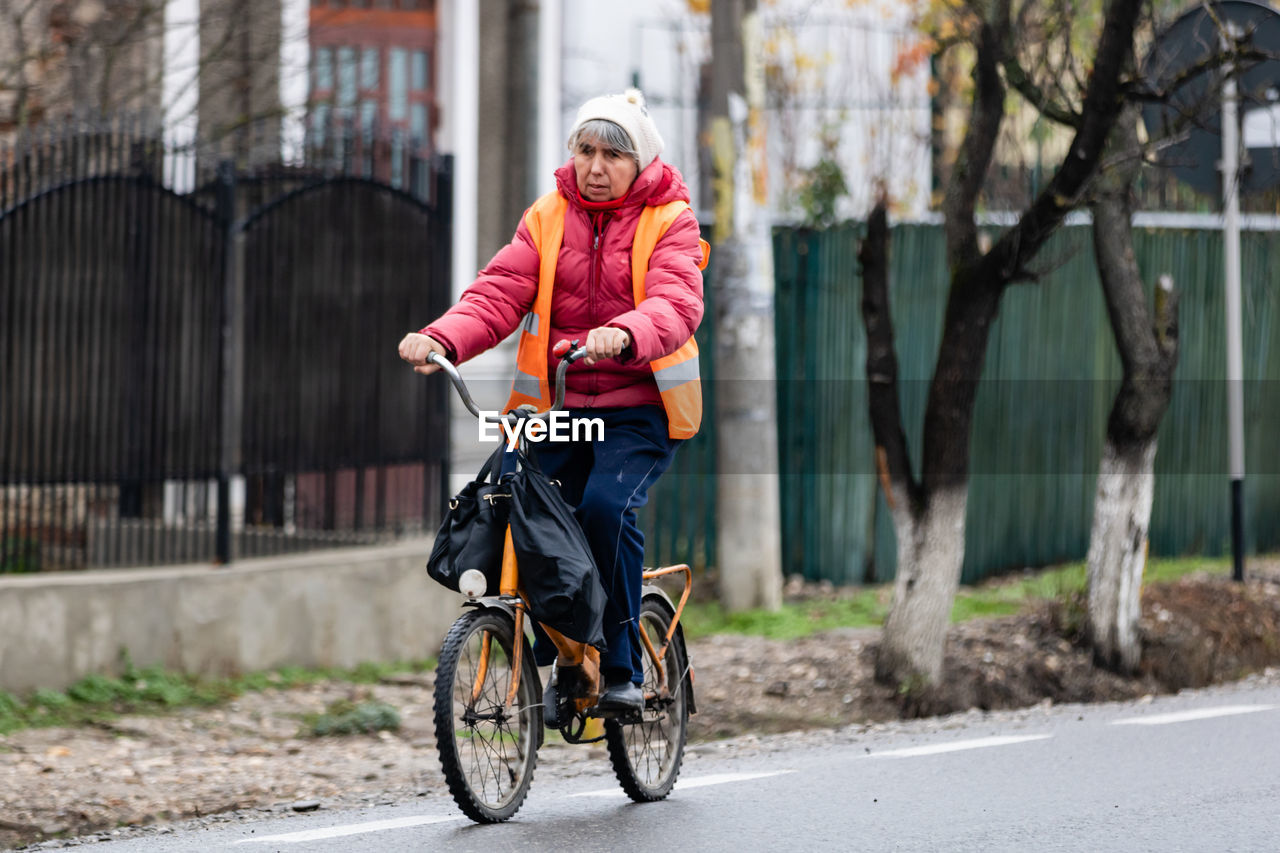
pixel 204 375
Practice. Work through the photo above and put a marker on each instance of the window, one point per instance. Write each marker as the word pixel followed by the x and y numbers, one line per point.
pixel 324 70
pixel 370 61
pixel 319 125
pixel 368 117
pixel 418 124
pixel 397 94
pixel 346 77
pixel 419 70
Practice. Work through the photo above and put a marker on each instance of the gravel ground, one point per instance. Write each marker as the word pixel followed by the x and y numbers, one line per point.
pixel 141 773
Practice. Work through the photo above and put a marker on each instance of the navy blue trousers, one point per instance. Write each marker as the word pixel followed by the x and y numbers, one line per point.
pixel 606 481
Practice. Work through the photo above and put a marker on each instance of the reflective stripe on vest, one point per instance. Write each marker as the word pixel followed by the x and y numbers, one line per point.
pixel 676 374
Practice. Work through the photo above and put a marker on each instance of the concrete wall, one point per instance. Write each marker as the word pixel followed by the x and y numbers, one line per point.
pixel 329 608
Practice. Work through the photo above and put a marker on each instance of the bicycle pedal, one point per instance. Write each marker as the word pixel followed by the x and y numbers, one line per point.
pixel 622 715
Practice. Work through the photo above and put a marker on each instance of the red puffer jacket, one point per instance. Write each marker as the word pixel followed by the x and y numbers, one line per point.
pixel 593 288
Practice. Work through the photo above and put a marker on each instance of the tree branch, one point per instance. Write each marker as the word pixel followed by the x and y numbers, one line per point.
pixel 893 461
pixel 1102 103
pixel 1140 88
pixel 970 169
pixel 977 283
pixel 1148 348
pixel 1025 86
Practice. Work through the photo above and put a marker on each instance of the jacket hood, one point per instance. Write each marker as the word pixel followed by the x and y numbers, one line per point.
pixel 658 184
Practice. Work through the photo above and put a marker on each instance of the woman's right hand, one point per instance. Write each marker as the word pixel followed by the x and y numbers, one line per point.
pixel 415 347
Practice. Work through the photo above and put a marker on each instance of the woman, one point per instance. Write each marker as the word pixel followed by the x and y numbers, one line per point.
pixel 611 258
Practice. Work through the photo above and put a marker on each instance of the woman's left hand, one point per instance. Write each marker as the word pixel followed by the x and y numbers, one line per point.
pixel 606 342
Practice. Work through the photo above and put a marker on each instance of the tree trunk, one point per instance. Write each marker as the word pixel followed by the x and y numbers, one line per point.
pixel 930 554
pixel 1118 552
pixel 1126 479
pixel 748 536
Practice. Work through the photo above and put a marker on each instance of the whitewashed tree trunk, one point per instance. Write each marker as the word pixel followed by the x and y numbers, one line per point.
pixel 930 555
pixel 1147 341
pixel 1118 552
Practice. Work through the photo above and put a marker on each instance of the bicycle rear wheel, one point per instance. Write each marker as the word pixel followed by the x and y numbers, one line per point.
pixel 487 749
pixel 646 753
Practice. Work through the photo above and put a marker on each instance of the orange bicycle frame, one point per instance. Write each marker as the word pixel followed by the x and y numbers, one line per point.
pixel 571 652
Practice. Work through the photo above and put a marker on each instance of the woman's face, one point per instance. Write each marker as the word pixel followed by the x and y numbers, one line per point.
pixel 604 174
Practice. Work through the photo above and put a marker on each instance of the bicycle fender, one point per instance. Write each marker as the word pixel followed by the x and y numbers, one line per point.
pixel 493 602
pixel 651 591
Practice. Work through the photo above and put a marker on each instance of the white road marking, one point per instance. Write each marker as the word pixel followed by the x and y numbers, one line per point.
pixel 348 829
pixel 695 782
pixel 1187 716
pixel 957 746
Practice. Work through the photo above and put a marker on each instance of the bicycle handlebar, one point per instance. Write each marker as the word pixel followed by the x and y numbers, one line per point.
pixel 568 355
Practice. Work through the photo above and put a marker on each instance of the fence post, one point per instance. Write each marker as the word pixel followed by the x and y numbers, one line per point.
pixel 231 384
pixel 442 298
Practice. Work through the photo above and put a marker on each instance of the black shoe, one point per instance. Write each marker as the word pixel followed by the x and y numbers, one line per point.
pixel 550 701
pixel 625 696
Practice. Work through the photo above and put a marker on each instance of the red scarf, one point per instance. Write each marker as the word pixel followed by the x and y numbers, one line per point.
pixel 612 204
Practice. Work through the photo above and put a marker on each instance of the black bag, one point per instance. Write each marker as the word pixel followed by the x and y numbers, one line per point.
pixel 472 533
pixel 557 570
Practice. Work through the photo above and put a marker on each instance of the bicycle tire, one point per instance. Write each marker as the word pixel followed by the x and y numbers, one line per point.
pixel 646 755
pixel 487 751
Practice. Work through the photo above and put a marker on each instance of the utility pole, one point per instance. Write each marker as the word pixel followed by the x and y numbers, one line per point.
pixel 748 532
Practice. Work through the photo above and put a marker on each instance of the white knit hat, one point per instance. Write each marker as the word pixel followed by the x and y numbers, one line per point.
pixel 628 112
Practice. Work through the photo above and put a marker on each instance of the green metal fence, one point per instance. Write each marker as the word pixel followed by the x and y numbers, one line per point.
pixel 680 519
pixel 1051 375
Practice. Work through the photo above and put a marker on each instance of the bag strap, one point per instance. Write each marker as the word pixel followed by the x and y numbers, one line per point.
pixel 491 465
pixel 529 460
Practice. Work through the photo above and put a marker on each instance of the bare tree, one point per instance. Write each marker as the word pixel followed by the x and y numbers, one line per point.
pixel 929 511
pixel 67 56
pixel 1147 341
pixel 102 57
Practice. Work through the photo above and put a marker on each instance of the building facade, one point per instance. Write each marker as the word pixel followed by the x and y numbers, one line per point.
pixel 373 70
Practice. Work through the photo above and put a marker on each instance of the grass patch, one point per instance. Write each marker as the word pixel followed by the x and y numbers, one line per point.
pixel 345 717
pixel 866 607
pixel 152 690
pixel 863 608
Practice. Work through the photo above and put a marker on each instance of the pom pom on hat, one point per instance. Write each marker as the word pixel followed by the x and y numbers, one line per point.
pixel 628 112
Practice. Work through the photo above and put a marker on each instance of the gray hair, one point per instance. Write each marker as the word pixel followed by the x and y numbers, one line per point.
pixel 607 134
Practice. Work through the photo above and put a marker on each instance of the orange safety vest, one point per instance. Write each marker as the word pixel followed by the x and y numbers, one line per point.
pixel 677 376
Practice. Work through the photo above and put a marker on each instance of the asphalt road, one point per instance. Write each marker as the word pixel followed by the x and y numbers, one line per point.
pixel 1200 771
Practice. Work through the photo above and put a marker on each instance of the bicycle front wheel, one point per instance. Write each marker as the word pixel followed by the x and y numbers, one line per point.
pixel 646 754
pixel 488 748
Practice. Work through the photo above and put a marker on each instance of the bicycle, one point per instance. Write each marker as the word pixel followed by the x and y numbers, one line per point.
pixel 488 702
